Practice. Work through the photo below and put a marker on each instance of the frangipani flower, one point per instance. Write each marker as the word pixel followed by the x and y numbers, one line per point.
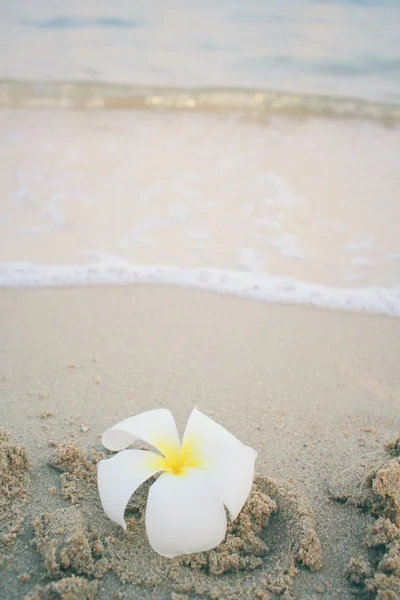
pixel 185 507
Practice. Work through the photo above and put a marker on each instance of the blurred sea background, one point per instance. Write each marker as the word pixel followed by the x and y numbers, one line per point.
pixel 244 147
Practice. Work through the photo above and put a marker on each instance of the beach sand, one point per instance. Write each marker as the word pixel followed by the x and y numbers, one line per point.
pixel 316 393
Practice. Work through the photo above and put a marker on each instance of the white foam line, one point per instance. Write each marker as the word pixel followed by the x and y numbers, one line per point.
pixel 372 299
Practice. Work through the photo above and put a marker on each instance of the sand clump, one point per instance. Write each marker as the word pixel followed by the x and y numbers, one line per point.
pixel 14 479
pixel 67 545
pixel 243 548
pixel 70 588
pixel 274 534
pixel 374 486
pixel 78 473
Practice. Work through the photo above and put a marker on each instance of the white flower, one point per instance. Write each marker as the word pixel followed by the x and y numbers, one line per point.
pixel 185 506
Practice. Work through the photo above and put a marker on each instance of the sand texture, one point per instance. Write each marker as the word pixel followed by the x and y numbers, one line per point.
pixel 14 468
pixel 374 486
pixel 316 393
pixel 275 530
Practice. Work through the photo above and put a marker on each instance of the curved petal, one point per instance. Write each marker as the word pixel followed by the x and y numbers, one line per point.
pixel 222 456
pixel 184 514
pixel 118 477
pixel 200 427
pixel 232 470
pixel 156 427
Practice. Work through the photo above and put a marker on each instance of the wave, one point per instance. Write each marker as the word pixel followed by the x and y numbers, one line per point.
pixel 373 299
pixel 256 104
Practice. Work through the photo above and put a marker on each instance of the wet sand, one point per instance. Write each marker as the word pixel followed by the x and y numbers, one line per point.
pixel 316 393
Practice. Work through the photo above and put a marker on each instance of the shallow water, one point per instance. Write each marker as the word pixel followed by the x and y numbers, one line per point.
pixel 334 48
pixel 288 191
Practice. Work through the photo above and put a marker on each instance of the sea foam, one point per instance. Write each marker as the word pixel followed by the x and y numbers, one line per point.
pixel 286 290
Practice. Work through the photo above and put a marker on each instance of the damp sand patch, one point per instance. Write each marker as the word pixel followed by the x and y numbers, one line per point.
pixel 272 538
pixel 373 486
pixel 14 480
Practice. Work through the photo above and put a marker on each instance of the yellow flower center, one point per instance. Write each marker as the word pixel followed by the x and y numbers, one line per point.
pixel 176 459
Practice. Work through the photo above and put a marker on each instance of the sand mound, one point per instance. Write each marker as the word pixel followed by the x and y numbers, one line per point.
pixel 374 486
pixel 14 467
pixel 67 544
pixel 70 588
pixel 275 531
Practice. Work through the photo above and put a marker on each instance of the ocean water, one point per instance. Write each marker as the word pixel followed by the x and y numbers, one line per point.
pixel 248 148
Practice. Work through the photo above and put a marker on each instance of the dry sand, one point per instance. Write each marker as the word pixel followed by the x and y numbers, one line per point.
pixel 316 393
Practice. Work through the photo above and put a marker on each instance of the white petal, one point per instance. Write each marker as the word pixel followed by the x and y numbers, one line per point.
pixel 184 514
pixel 118 477
pixel 232 469
pixel 201 427
pixel 223 457
pixel 156 427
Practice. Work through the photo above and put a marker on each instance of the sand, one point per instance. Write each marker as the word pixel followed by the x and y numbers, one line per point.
pixel 316 393
pixel 14 468
pixel 374 486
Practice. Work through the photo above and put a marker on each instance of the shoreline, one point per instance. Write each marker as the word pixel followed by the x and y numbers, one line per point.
pixel 243 219
pixel 268 289
pixel 257 104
